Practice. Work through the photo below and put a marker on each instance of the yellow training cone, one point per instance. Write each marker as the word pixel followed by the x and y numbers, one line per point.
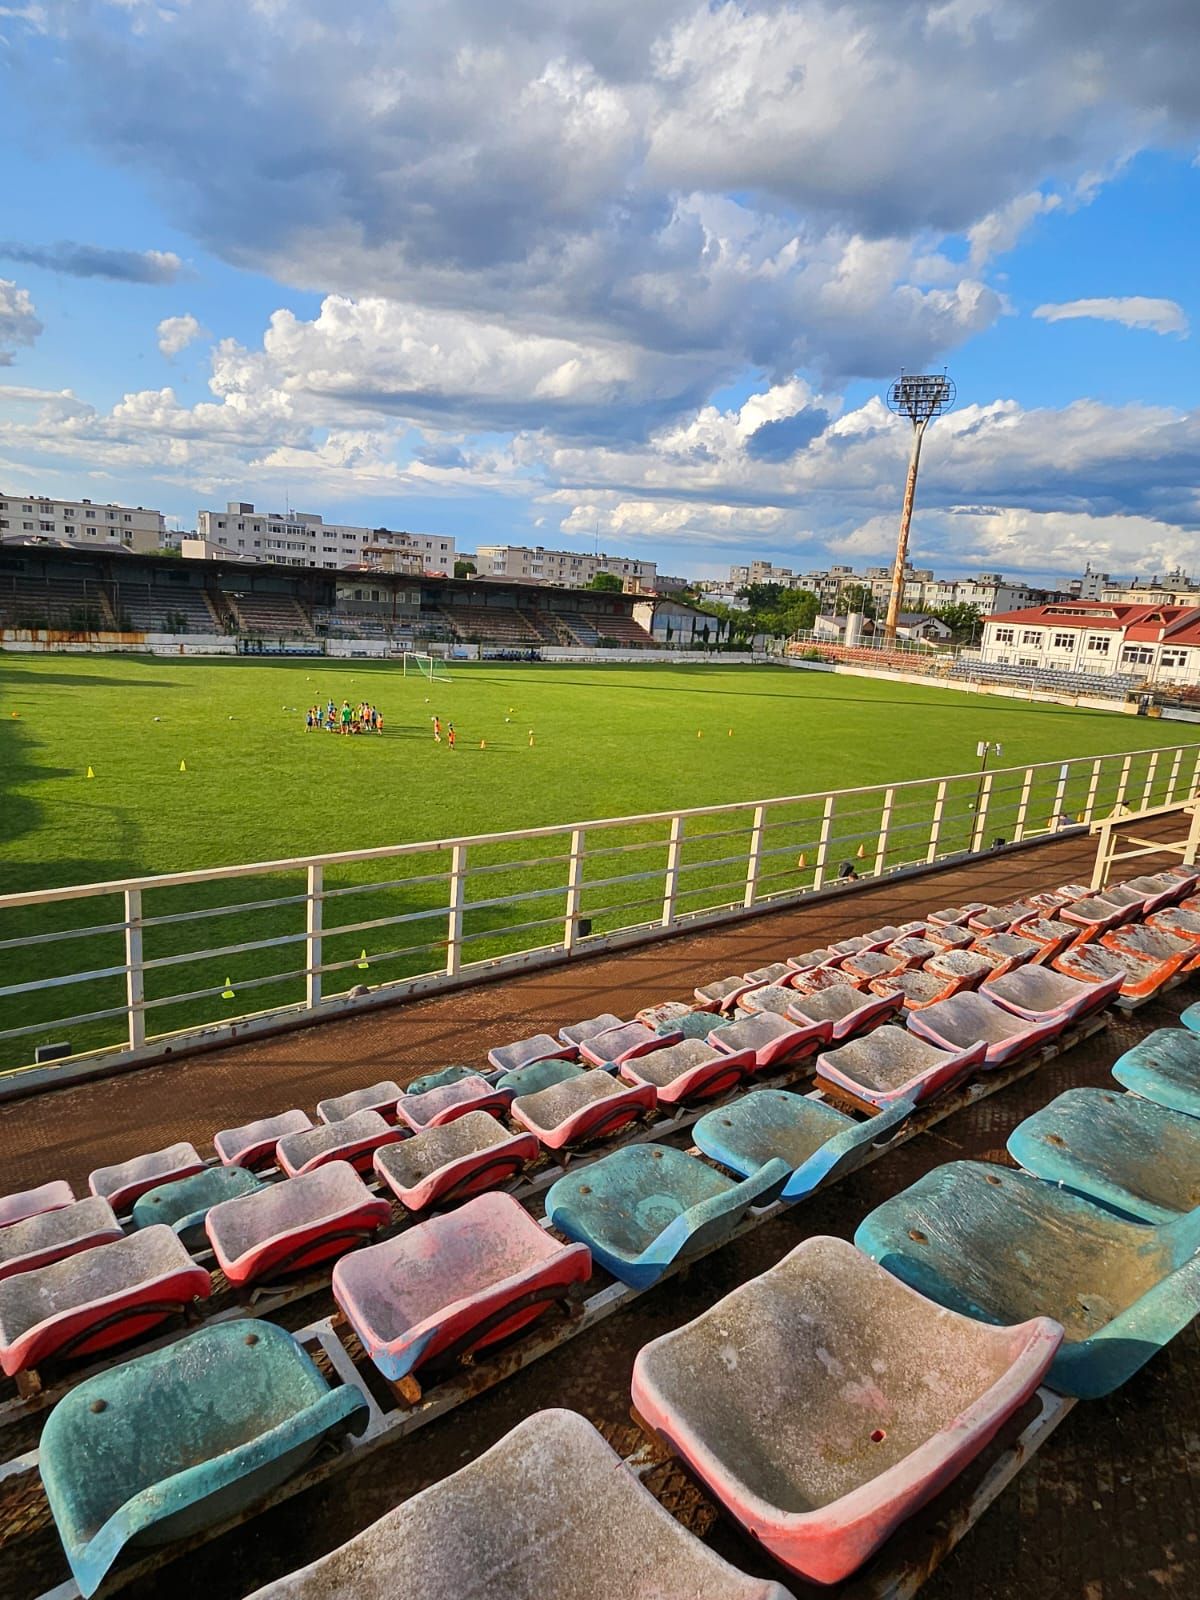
pixel 183 766
pixel 362 963
pixel 90 773
pixel 531 741
pixel 483 744
pixel 731 733
pixel 699 733
pixel 802 861
pixel 16 713
pixel 227 992
pixel 861 852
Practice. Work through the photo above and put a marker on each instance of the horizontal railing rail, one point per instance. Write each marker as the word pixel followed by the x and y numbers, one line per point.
pixel 433 912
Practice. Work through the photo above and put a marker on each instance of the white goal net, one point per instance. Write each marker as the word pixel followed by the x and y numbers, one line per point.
pixel 425 666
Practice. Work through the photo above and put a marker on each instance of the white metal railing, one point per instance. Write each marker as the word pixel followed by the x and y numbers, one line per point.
pixel 143 973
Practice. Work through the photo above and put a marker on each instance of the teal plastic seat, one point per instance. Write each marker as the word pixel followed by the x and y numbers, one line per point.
pixel 535 1076
pixel 183 1205
pixel 818 1144
pixel 438 1080
pixel 1190 1018
pixel 171 1442
pixel 1165 1068
pixel 644 1207
pixel 1134 1157
pixel 1003 1247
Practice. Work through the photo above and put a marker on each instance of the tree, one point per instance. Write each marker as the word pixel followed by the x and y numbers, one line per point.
pixel 464 569
pixel 608 582
pixel 961 617
pixel 855 597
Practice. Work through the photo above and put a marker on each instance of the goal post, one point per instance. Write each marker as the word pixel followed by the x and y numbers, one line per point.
pixel 423 665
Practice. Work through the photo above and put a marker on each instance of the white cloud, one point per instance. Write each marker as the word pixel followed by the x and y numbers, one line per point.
pixel 1132 311
pixel 176 333
pixel 19 321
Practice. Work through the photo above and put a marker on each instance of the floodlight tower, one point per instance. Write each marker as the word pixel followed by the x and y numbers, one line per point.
pixel 920 397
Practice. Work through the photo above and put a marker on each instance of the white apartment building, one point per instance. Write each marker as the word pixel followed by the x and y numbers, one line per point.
pixel 303 539
pixel 990 591
pixel 567 568
pixel 1155 642
pixel 82 521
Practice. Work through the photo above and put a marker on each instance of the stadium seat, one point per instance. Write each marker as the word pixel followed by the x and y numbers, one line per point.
pixel 580 1109
pixel 998 919
pixel 454 1283
pixel 33 1202
pixel 546 1502
pixel 438 1106
pixel 867 964
pixel 723 994
pixel 439 1079
pixel 964 969
pixel 1138 1159
pixel 535 1075
pixel 775 997
pixel 817 1143
pixel 380 1097
pixel 912 988
pixel 1189 1017
pixel 184 1204
pixel 824 1402
pixel 643 1208
pixel 1159 889
pixel 771 1041
pixel 966 1019
pixel 1155 943
pixel 576 1032
pixel 891 1064
pixel 453 1160
pixel 50 1235
pixel 1164 1067
pixel 856 944
pixel 841 1011
pixel 541 1047
pixel 1141 975
pixel 187 1436
pixel 914 951
pixel 1051 936
pixel 354 1139
pixel 1093 916
pixel 817 979
pixel 121 1185
pixel 955 915
pixel 612 1046
pixel 814 958
pixel 1004 950
pixel 102 1297
pixel 1175 920
pixel 254 1144
pixel 664 1014
pixel 1003 1246
pixel 289 1226
pixel 950 936
pixel 690 1070
pixel 1038 992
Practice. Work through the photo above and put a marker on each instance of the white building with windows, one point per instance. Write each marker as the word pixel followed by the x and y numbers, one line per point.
pixel 85 522
pixel 1158 643
pixel 303 539
pixel 567 568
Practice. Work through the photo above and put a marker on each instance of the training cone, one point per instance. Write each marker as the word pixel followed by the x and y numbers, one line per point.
pixel 731 733
pixel 183 766
pixel 531 741
pixel 16 713
pixel 362 963
pixel 90 773
pixel 227 992
pixel 802 861
pixel 699 733
pixel 483 744
pixel 861 852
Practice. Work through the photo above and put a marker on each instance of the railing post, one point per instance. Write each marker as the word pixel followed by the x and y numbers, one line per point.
pixel 312 934
pixel 671 882
pixel 1174 777
pixel 885 822
pixel 1195 780
pixel 458 862
pixel 1151 769
pixel 574 891
pixel 1103 851
pixel 985 794
pixel 935 827
pixel 1093 786
pixel 1023 806
pixel 135 994
pixel 752 861
pixel 1124 783
pixel 1193 840
pixel 823 842
pixel 1064 772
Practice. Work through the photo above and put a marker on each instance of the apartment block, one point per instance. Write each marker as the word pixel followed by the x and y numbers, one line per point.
pixel 568 568
pixel 303 539
pixel 85 522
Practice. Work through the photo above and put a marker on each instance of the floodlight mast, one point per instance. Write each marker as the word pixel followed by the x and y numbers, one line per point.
pixel 919 396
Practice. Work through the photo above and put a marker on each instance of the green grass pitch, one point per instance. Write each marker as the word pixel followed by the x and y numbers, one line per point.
pixel 606 742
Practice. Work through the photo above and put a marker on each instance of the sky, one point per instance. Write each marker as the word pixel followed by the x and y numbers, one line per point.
pixel 633 274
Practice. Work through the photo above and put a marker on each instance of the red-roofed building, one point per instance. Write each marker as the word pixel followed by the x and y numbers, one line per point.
pixel 1154 642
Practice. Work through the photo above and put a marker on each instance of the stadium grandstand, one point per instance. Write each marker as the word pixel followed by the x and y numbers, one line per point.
pixel 282 1263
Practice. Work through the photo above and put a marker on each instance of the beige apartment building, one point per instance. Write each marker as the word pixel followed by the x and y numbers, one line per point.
pixel 82 522
pixel 568 568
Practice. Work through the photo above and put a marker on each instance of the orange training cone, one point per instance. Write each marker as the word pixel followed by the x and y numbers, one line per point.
pixel 802 862
pixel 861 852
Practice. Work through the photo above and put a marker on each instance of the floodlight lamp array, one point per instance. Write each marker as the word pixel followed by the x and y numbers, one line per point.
pixel 921 395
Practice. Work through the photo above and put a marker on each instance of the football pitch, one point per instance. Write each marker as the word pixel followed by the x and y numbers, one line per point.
pixel 206 763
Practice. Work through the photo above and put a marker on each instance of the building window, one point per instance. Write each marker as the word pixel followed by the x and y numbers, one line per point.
pixel 1137 655
pixel 1173 658
pixel 1004 635
pixel 1031 636
pixel 69 512
pixel 90 514
pixel 111 515
pixel 46 527
pixel 1063 641
pixel 1098 643
pixel 128 517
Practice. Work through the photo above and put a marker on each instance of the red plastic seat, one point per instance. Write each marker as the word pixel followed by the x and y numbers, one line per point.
pixel 454 1284
pixel 33 1202
pixel 53 1235
pixel 1141 975
pixel 541 1047
pixel 770 1039
pixel 453 1160
pixel 892 1064
pixel 289 1226
pixel 692 1069
pixel 579 1110
pixel 95 1300
pixel 624 1042
pixel 438 1106
pixel 839 1012
pixel 123 1183
pixel 379 1097
pixel 354 1139
pixel 253 1145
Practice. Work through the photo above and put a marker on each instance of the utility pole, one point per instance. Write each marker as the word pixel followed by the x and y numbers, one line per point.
pixel 920 397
